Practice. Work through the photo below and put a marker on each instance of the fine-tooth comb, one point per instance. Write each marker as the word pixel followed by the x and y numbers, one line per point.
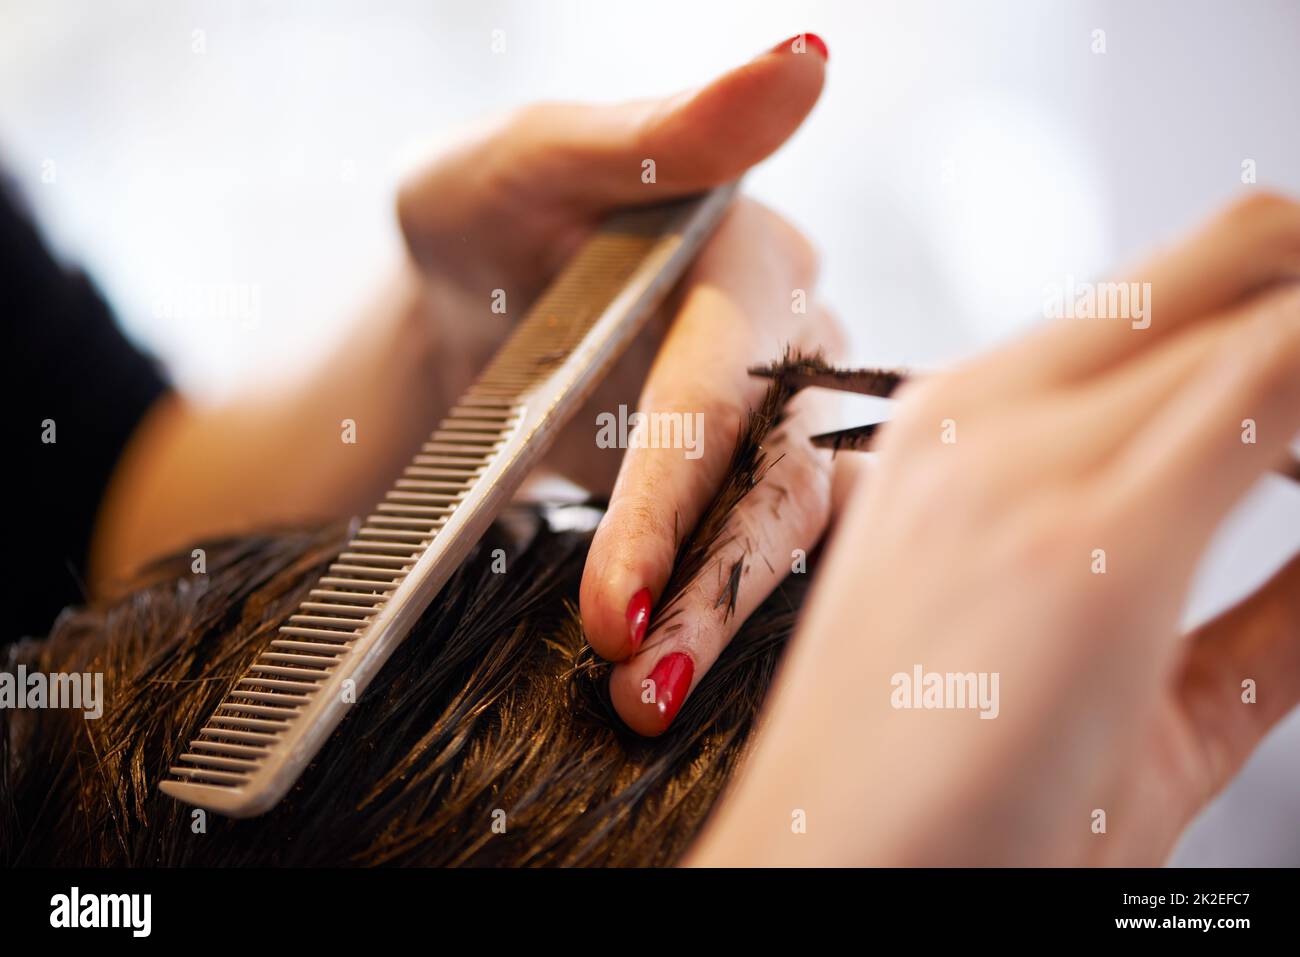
pixel 282 709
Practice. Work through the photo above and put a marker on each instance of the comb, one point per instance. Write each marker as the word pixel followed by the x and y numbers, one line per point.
pixel 281 710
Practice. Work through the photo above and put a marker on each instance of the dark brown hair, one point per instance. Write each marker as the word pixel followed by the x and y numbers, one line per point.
pixel 495 703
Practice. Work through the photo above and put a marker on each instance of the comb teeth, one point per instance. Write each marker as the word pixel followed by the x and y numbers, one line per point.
pixel 238 740
pixel 282 708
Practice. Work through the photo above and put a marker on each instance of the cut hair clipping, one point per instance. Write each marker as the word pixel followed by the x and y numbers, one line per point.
pixel 856 439
pixel 815 372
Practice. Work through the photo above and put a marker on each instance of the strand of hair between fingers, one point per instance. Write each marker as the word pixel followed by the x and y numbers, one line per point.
pixel 748 466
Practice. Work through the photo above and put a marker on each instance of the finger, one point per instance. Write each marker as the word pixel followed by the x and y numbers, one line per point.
pixel 595 156
pixel 1242 675
pixel 1103 419
pixel 1250 246
pixel 765 538
pixel 1232 418
pixel 849 474
pixel 735 313
pixel 524 191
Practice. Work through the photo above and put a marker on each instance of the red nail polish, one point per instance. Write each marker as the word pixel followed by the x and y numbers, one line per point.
pixel 638 617
pixel 802 42
pixel 672 679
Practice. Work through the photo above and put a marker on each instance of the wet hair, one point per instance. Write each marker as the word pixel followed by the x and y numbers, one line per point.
pixel 487 739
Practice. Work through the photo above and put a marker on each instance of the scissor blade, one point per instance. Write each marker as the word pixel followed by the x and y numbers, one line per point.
pixel 856 439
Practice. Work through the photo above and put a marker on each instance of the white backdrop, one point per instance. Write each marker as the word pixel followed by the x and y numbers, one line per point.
pixel 963 157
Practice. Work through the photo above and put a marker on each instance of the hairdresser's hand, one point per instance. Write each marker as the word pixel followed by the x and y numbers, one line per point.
pixel 503 211
pixel 487 224
pixel 1037 515
pixel 500 209
pixel 736 314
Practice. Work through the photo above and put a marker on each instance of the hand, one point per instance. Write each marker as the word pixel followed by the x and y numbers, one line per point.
pixel 507 206
pixel 1089 441
pixel 501 209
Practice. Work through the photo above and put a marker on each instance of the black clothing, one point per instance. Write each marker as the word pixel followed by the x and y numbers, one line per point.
pixel 79 381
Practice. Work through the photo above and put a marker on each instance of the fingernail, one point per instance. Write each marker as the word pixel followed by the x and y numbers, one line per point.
pixel 671 679
pixel 803 42
pixel 638 617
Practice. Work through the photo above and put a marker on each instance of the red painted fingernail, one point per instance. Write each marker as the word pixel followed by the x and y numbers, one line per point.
pixel 638 617
pixel 801 43
pixel 671 680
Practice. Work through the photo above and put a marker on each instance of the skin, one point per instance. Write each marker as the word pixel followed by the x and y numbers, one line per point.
pixel 503 208
pixel 1123 439
pixel 979 556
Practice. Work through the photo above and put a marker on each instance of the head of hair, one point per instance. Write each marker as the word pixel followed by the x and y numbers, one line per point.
pixel 488 737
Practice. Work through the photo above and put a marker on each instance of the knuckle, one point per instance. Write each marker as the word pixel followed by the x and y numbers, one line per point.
pixel 639 516
pixel 1041 545
pixel 413 221
pixel 800 484
pixel 526 147
pixel 1041 549
pixel 1263 203
pixel 921 404
pixel 723 415
pixel 1261 214
pixel 799 250
pixel 828 334
pixel 785 242
pixel 536 116
pixel 406 208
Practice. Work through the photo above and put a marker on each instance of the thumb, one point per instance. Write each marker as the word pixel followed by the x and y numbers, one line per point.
pixel 595 156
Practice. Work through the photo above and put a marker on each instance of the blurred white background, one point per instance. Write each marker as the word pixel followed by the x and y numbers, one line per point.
pixel 963 157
